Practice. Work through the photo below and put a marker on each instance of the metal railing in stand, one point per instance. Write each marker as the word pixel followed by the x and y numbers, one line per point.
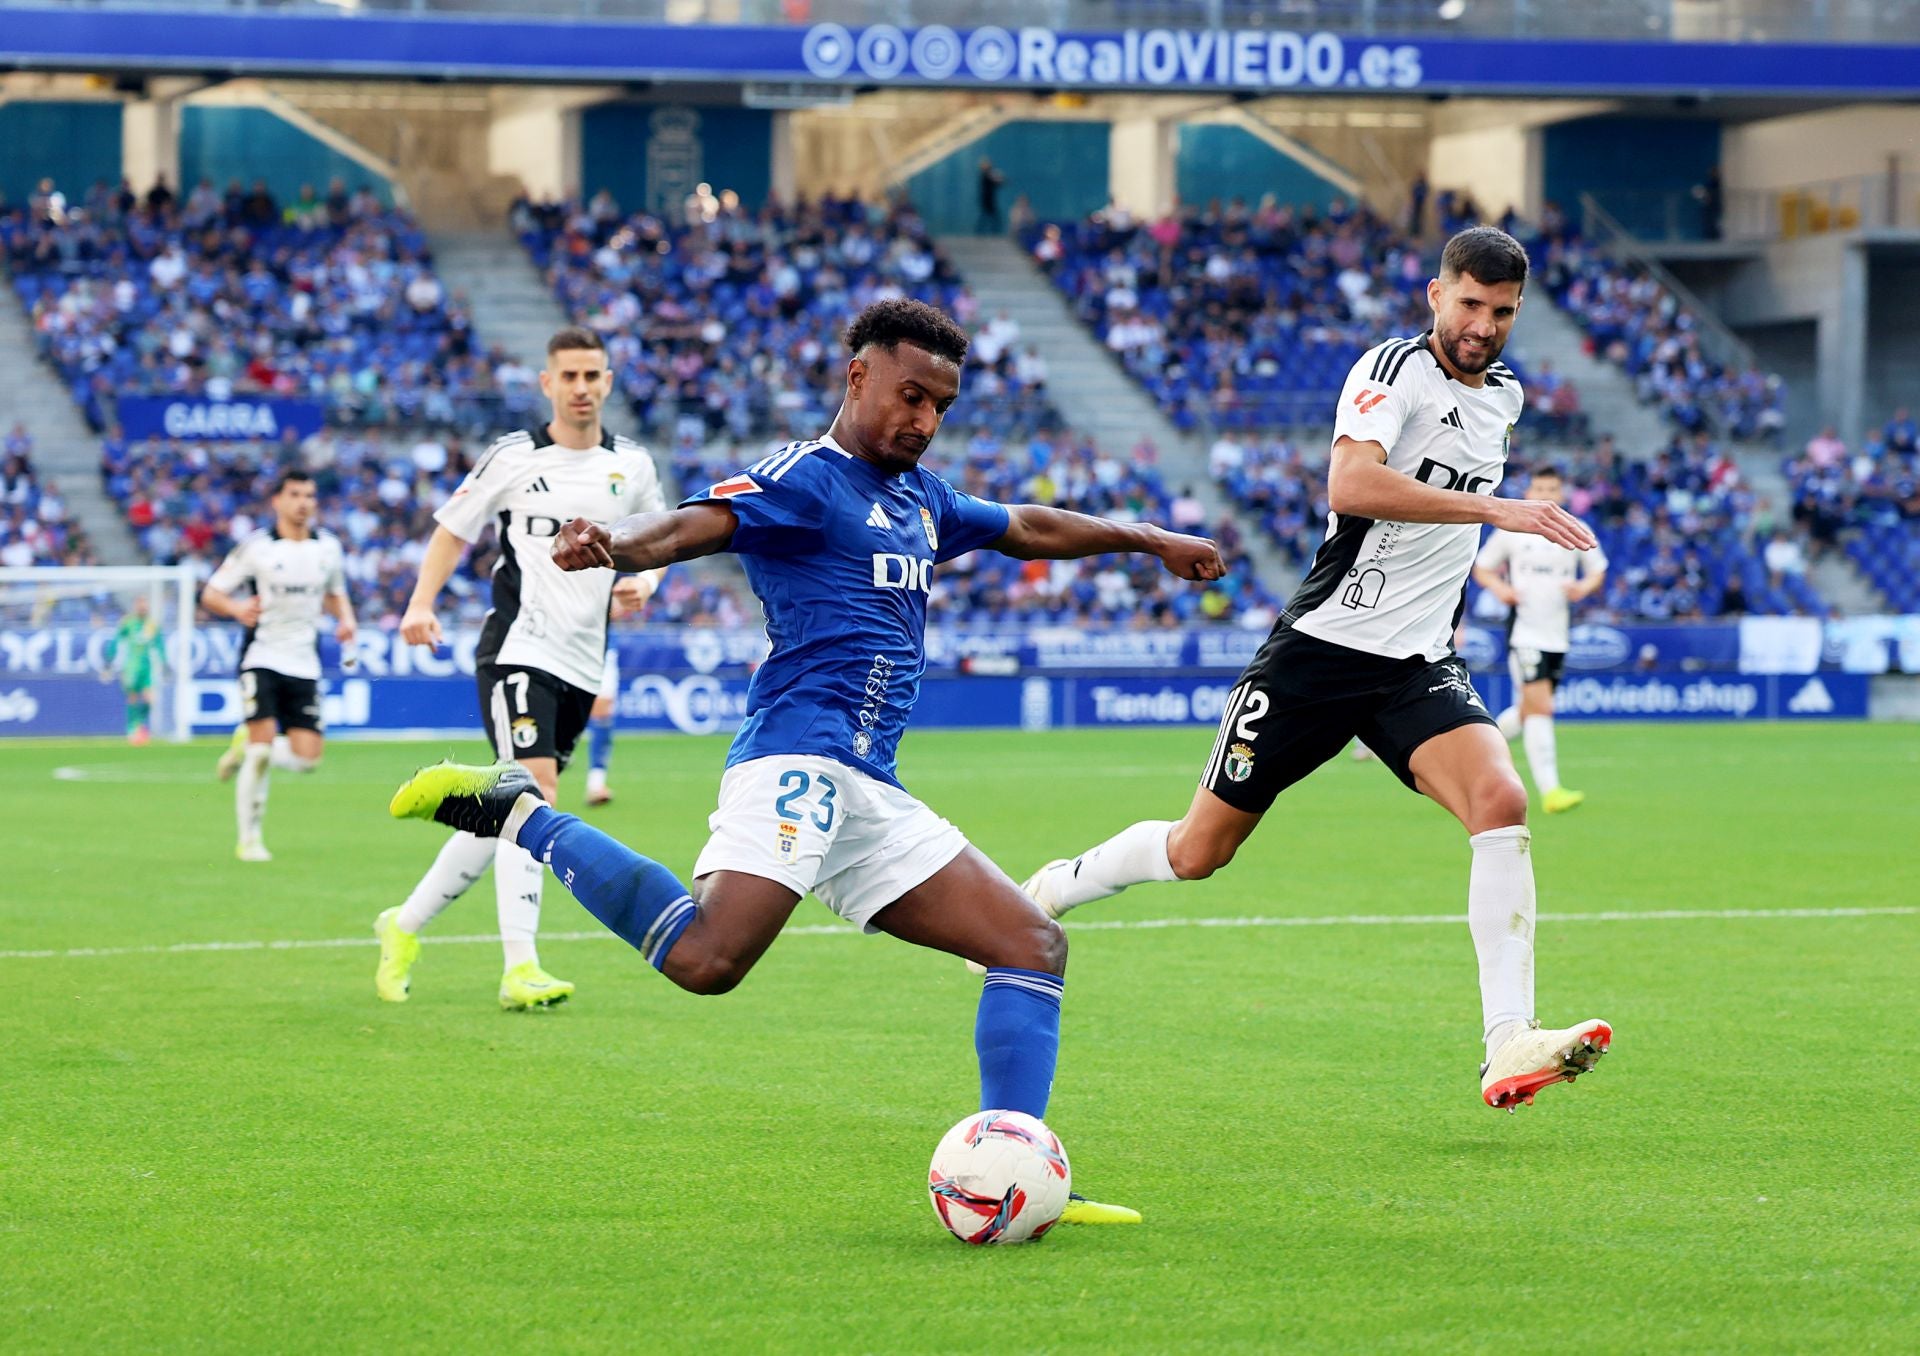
pixel 1716 340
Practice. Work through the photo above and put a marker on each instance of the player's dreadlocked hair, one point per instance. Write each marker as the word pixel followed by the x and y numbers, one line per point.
pixel 902 320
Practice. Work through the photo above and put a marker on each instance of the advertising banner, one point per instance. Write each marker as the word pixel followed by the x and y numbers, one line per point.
pixel 1253 61
pixel 239 420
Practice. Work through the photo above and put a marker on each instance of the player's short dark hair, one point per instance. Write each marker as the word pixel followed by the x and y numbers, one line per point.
pixel 902 320
pixel 575 336
pixel 1486 254
pixel 1548 469
pixel 289 476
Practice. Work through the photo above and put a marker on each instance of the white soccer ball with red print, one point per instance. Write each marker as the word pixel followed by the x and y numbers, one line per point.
pixel 999 1177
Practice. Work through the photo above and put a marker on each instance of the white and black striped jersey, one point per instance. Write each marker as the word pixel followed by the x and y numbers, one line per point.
pixel 1539 572
pixel 292 578
pixel 1397 589
pixel 529 486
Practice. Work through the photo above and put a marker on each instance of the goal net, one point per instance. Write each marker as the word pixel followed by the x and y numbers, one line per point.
pixel 87 650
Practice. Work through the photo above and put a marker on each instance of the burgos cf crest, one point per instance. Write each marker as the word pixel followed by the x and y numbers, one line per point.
pixel 616 484
pixel 1239 763
pixel 926 521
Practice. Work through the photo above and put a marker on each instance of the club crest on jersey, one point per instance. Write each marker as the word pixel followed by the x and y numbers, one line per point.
pixel 926 521
pixel 789 835
pixel 616 484
pixel 526 731
pixel 1239 763
pixel 862 743
pixel 740 484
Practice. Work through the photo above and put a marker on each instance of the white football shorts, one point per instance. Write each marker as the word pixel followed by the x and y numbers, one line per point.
pixel 610 674
pixel 820 826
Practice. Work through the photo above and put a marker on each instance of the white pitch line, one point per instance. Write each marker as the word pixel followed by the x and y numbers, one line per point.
pixel 1382 920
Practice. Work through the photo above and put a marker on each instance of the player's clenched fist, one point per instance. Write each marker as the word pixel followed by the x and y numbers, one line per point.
pixel 582 545
pixel 1191 557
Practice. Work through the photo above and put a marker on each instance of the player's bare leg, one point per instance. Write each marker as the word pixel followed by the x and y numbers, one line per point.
pixel 250 790
pixel 736 917
pixel 970 908
pixel 1469 771
pixel 298 751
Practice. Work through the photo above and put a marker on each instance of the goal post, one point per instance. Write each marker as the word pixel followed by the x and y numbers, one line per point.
pixel 57 661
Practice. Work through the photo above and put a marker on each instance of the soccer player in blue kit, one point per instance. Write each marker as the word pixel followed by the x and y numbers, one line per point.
pixel 839 537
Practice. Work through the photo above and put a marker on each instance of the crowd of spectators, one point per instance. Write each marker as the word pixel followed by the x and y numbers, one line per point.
pixel 331 298
pixel 725 323
pixel 190 501
pixel 1234 317
pixel 1635 322
pixel 34 527
pixel 1686 538
pixel 1068 471
pixel 1865 502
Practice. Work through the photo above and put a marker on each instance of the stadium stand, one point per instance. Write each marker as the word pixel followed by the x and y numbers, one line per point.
pixel 330 299
pixel 1245 322
pixel 34 528
pixel 729 325
pixel 1865 503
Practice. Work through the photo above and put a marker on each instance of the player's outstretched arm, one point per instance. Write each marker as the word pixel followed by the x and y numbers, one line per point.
pixel 1360 484
pixel 1035 532
pixel 645 541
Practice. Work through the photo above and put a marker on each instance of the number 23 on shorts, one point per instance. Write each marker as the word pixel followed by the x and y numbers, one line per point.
pixel 795 785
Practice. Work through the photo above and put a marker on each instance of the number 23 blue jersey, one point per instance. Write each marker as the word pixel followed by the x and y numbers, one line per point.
pixel 841 556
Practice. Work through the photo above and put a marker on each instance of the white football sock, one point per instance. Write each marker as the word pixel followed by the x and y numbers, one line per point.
pixel 250 791
pixel 287 760
pixel 517 882
pixel 1137 853
pixel 596 780
pixel 463 860
pixel 1500 910
pixel 1542 757
pixel 1509 723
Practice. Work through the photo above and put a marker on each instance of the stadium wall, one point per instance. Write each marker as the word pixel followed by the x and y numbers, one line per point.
pixel 1812 148
pixel 651 155
pixel 223 143
pixel 1062 167
pixel 75 143
pixel 1224 162
pixel 1639 169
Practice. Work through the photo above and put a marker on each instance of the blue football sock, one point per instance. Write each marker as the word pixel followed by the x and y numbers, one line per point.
pixel 599 743
pixel 639 900
pixel 1017 1035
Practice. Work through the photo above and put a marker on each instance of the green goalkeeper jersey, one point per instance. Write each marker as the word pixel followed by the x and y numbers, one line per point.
pixel 135 642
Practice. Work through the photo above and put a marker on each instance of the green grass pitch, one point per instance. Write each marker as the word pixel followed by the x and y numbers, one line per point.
pixel 242 1150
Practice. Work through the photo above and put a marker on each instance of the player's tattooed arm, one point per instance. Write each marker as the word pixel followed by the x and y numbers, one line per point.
pixel 1035 532
pixel 1362 485
pixel 645 541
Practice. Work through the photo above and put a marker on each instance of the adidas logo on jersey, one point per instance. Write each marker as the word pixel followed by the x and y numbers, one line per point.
pixel 1452 420
pixel 879 519
pixel 539 487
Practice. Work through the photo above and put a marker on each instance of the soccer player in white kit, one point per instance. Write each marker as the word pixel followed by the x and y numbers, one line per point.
pixel 295 574
pixel 1365 649
pixel 543 647
pixel 1541 583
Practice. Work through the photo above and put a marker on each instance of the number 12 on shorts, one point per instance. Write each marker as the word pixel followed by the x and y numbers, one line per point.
pixel 795 785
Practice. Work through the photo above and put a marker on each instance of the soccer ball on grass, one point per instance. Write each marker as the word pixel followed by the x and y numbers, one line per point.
pixel 999 1177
